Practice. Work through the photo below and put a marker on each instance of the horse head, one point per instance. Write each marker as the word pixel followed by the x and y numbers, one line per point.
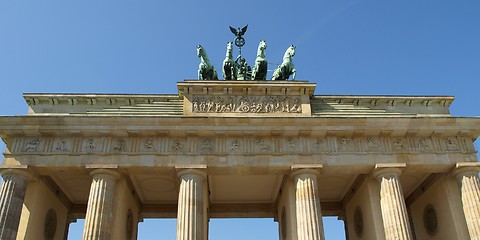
pixel 290 52
pixel 200 51
pixel 202 54
pixel 261 48
pixel 229 50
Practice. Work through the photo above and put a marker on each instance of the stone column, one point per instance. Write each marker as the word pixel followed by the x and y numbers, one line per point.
pixel 307 205
pixel 469 184
pixel 12 195
pixel 392 203
pixel 100 205
pixel 192 223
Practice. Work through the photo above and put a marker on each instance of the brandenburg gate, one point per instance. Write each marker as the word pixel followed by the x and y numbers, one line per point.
pixel 391 167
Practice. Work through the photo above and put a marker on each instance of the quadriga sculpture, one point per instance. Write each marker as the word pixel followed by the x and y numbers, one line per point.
pixel 287 68
pixel 205 69
pixel 229 70
pixel 260 68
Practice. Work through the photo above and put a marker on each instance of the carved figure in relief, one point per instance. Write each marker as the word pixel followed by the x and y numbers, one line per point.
pixel 229 69
pixel 203 107
pixel 32 145
pixel 148 145
pixel 319 145
pixel 119 146
pixel 210 106
pixel 287 68
pixel 451 144
pixel 206 145
pixel 372 144
pixel 205 70
pixel 61 146
pixel 259 71
pixel 423 144
pixel 246 104
pixel 91 145
pixel 235 146
pixel 177 145
pixel 398 144
pixel 262 146
pixel 219 105
pixel 195 107
pixel 296 106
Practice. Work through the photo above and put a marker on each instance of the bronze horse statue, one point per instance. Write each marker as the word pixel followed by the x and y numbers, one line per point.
pixel 205 70
pixel 287 68
pixel 260 68
pixel 229 69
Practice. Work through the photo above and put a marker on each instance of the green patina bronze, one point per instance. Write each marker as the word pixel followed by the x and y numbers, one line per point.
pixel 239 69
pixel 205 70
pixel 287 68
pixel 244 70
pixel 239 40
pixel 261 65
pixel 229 69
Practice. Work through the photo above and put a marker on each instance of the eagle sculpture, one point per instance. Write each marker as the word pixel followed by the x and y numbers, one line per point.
pixel 239 32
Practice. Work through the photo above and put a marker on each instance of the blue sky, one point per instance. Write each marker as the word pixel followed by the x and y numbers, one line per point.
pixel 354 47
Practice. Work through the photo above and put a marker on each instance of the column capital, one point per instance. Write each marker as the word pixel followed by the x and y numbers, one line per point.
pixel 201 172
pixel 17 172
pixel 116 175
pixel 305 171
pixel 388 169
pixel 465 168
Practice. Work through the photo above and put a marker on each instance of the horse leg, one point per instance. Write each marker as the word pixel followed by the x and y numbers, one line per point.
pixel 233 72
pixel 254 69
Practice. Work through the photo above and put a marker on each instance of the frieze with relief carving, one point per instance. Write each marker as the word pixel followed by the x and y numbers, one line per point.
pixel 241 145
pixel 246 104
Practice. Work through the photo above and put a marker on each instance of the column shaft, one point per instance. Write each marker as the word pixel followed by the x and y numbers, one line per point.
pixel 470 193
pixel 307 205
pixel 191 220
pixel 100 205
pixel 12 194
pixel 392 203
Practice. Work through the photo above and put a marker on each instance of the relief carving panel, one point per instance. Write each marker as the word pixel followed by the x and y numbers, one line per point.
pixel 31 145
pixel 246 104
pixel 263 145
pixel 240 145
pixel 234 146
pixel 62 145
pixel 319 145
